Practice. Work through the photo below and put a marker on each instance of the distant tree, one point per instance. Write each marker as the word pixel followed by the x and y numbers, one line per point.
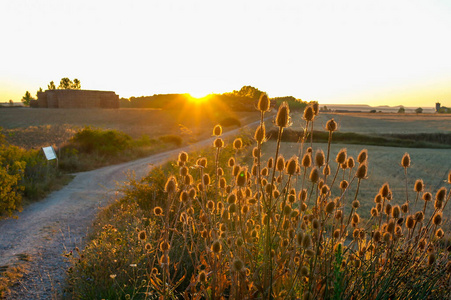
pixel 401 110
pixel 11 103
pixel 373 111
pixel 76 84
pixel 27 98
pixel 419 110
pixel 65 83
pixel 51 86
pixel 40 90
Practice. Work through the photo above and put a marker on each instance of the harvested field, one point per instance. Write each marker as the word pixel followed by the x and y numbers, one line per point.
pixel 382 123
pixel 34 128
pixel 431 165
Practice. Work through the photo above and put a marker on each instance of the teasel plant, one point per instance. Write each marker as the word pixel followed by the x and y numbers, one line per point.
pixel 255 231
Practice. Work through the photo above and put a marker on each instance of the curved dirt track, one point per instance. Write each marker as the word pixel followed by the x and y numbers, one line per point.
pixel 46 229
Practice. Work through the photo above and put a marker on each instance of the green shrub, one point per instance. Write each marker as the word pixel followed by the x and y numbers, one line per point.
pixel 230 121
pixel 171 139
pixel 104 142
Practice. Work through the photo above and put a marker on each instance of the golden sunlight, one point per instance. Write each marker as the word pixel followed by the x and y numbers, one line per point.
pixel 197 97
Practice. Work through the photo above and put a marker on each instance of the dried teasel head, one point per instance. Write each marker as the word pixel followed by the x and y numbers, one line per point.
pixel 363 156
pixel 331 125
pixel 315 106
pixel 241 177
pixel 171 185
pixel 344 184
pixel 351 162
pixel 306 160
pixel 441 194
pixel 314 175
pixel 280 164
pixel 237 265
pixel 410 222
pixel 183 156
pixel 341 156
pixel 385 190
pixel 218 143
pixel 237 143
pixel 231 162
pixel 263 103
pixel 362 171
pixel 308 113
pixel 283 116
pixel 292 165
pixel 319 158
pixel 396 211
pixel 437 220
pixel 405 161
pixel 427 196
pixel 419 186
pixel 217 130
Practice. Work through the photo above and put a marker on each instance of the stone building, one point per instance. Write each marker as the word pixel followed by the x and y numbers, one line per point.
pixel 76 99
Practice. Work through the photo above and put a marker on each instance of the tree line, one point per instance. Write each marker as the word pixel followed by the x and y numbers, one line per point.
pixel 65 84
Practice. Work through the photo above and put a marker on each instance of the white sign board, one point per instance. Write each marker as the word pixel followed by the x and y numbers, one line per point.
pixel 49 153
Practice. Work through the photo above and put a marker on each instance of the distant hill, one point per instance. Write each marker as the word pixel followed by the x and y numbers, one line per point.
pixel 368 108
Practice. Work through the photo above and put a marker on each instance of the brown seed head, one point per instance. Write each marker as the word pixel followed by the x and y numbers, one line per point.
pixel 405 208
pixel 202 276
pixel 351 162
pixel 319 158
pixel 362 171
pixel 341 156
pixel 338 214
pixel 355 204
pixel 343 184
pixel 431 258
pixel 315 106
pixel 142 236
pixel 237 143
pixel 363 156
pixel 419 216
pixel 171 185
pixel 280 164
pixel 183 171
pixel 437 220
pixel 388 209
pixel 237 265
pixel 307 160
pixel 396 211
pixel 263 103
pixel 308 113
pixel 235 170
pixel 206 179
pixel 374 212
pixel 427 196
pixel 217 130
pixel 385 190
pixel 303 195
pixel 441 194
pixel 231 162
pixel 218 143
pixel 405 161
pixel 216 247
pixel 314 175
pixel 331 125
pixel 377 236
pixel 410 222
pixel 292 165
pixel 158 211
pixel 183 156
pixel 387 237
pixel 241 178
pixel 419 186
pixel 184 197
pixel 330 207
pixel 164 246
pixel 439 233
pixel 283 116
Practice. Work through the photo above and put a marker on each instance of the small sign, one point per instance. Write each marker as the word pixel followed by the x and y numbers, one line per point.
pixel 49 153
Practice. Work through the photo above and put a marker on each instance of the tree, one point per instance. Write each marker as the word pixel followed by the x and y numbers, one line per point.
pixel 65 83
pixel 419 110
pixel 76 85
pixel 27 98
pixel 51 86
pixel 401 110
pixel 39 91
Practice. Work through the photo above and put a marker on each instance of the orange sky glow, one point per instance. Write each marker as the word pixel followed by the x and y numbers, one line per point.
pixel 350 52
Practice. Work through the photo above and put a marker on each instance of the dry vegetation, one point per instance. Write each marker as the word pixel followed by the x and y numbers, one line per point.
pixel 213 226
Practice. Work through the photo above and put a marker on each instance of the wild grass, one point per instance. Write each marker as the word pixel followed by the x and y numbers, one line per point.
pixel 213 227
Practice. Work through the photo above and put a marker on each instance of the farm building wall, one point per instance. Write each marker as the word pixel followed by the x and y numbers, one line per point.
pixel 77 99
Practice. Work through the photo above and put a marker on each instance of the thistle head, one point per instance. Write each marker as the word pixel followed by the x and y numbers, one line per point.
pixel 217 130
pixel 405 161
pixel 263 103
pixel 331 125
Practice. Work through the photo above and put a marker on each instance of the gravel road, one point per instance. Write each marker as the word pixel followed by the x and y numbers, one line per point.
pixel 46 229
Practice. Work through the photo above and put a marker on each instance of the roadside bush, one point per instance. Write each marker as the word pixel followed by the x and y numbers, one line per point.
pixel 230 121
pixel 274 230
pixel 171 139
pixel 104 142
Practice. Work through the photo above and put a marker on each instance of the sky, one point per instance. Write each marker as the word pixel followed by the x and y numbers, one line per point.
pixel 382 52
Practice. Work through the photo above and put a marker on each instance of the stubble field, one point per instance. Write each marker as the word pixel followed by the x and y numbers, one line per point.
pixel 34 128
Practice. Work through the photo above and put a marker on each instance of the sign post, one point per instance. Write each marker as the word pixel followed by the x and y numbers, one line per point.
pixel 50 154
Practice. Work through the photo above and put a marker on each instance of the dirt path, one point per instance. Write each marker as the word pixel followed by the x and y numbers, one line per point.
pixel 44 230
